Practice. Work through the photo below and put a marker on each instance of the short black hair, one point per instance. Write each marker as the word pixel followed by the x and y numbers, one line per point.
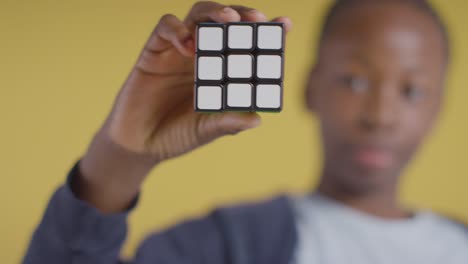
pixel 424 6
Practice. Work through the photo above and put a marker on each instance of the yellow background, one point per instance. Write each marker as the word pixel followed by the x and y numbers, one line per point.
pixel 62 62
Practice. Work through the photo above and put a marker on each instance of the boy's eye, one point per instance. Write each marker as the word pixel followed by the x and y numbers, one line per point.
pixel 413 92
pixel 354 83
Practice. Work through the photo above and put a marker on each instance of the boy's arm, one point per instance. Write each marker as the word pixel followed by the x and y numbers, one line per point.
pixel 152 120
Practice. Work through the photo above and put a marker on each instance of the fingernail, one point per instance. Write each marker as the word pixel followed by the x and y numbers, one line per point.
pixel 226 10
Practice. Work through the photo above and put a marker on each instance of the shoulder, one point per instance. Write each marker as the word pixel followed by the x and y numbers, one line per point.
pixel 264 220
pixel 451 228
pixel 460 225
pixel 453 221
pixel 276 208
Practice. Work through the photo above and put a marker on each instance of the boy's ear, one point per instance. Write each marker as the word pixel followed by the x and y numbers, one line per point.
pixel 311 89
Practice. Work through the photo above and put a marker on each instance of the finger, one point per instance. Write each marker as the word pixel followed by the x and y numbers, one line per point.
pixel 213 126
pixel 286 21
pixel 169 32
pixel 210 11
pixel 249 14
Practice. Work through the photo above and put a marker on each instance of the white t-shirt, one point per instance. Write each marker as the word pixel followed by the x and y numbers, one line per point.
pixel 332 233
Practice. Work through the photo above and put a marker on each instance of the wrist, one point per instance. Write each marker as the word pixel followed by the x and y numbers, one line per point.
pixel 110 175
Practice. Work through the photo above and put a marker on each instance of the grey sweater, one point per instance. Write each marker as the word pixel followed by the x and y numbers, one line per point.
pixel 277 231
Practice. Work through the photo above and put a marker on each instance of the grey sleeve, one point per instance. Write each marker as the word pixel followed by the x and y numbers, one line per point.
pixel 71 231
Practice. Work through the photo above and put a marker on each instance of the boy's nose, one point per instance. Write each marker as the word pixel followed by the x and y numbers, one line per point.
pixel 381 109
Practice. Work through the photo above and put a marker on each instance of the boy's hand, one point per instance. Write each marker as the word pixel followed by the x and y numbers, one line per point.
pixel 153 118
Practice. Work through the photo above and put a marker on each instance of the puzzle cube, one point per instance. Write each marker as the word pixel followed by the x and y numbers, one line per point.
pixel 239 67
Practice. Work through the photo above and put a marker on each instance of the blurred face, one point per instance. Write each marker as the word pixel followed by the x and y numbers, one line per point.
pixel 376 90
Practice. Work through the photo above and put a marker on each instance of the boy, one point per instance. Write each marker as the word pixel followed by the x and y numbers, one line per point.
pixel 377 88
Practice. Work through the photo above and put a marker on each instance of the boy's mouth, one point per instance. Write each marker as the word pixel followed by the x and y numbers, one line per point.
pixel 373 157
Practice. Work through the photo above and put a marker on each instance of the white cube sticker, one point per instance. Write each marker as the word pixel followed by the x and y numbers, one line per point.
pixel 209 97
pixel 270 37
pixel 210 38
pixel 269 66
pixel 268 96
pixel 210 68
pixel 239 95
pixel 239 66
pixel 240 37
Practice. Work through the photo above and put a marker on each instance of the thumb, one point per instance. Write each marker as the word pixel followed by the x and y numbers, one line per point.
pixel 212 126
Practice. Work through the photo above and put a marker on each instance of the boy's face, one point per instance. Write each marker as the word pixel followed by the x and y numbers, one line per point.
pixel 377 88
